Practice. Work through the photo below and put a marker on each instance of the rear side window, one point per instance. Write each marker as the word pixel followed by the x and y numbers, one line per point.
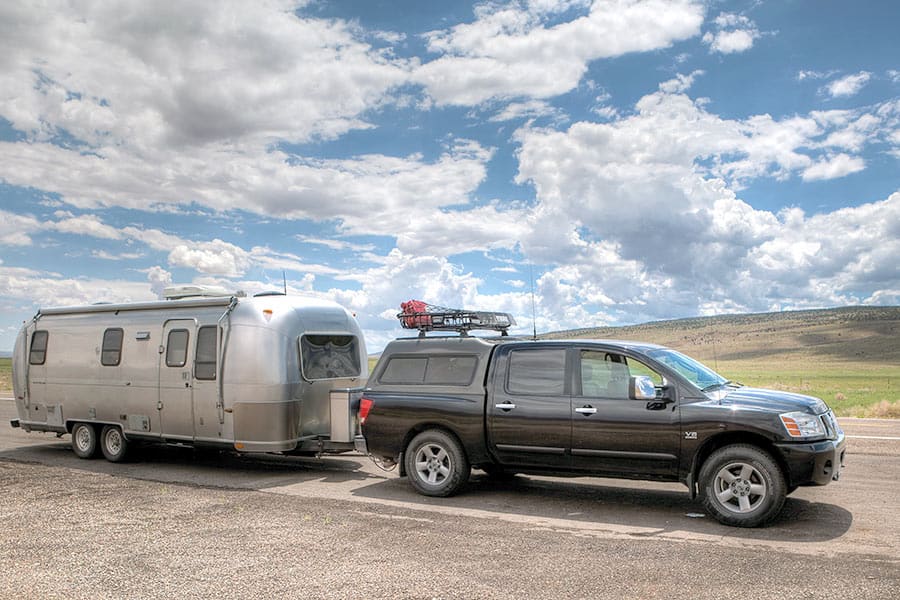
pixel 329 356
pixel 111 351
pixel 205 361
pixel 177 347
pixel 540 372
pixel 429 370
pixel 38 354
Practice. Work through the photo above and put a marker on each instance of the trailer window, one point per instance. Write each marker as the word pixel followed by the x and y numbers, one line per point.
pixel 205 361
pixel 329 356
pixel 176 348
pixel 38 354
pixel 111 351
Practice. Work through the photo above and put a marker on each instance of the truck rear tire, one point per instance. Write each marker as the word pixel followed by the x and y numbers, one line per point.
pixel 436 464
pixel 742 485
pixel 113 444
pixel 84 440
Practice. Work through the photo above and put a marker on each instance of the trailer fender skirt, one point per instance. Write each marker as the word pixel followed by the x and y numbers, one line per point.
pixel 14 423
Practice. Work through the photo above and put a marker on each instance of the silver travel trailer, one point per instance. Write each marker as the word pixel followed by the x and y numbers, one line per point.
pixel 271 373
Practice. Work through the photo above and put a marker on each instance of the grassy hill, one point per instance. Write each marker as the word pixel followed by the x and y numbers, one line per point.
pixel 850 357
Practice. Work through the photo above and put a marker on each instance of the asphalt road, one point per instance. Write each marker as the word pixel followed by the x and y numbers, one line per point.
pixel 181 523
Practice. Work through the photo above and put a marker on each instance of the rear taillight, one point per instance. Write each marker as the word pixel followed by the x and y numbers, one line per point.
pixel 365 405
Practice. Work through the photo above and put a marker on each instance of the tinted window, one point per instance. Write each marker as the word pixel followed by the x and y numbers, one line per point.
pixel 111 351
pixel 405 370
pixel 540 372
pixel 430 370
pixel 38 352
pixel 329 356
pixel 177 347
pixel 205 361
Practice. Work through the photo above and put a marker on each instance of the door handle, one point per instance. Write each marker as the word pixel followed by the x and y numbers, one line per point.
pixel 586 410
pixel 505 406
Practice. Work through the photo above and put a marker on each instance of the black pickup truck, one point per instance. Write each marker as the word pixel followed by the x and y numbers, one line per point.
pixel 442 405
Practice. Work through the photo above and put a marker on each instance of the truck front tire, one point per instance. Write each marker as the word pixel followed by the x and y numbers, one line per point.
pixel 436 464
pixel 84 440
pixel 742 486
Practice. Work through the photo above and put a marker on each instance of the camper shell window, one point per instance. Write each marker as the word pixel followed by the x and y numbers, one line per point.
pixel 205 361
pixel 327 356
pixel 111 351
pixel 38 354
pixel 177 348
pixel 430 370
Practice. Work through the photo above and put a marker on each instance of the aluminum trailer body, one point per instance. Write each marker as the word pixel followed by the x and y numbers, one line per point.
pixel 271 373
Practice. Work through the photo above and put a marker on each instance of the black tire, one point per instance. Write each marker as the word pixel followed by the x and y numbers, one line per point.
pixel 113 444
pixel 742 485
pixel 436 464
pixel 84 440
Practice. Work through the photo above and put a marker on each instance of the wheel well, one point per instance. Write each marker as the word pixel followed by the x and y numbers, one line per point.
pixel 738 437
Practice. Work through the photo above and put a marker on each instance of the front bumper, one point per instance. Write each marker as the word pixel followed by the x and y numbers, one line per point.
pixel 814 463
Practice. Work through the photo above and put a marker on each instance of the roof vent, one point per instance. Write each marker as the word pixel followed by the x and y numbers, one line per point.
pixel 179 292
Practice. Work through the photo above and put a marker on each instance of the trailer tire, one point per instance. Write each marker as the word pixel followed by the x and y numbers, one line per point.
pixel 436 464
pixel 113 444
pixel 84 440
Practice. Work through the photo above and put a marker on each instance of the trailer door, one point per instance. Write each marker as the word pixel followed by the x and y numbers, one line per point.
pixel 176 402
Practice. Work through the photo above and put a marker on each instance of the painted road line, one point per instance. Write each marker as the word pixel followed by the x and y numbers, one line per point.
pixel 871 437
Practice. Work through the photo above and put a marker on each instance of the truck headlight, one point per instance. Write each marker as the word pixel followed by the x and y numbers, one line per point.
pixel 802 425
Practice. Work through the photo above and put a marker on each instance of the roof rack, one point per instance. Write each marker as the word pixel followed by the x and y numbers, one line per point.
pixel 428 317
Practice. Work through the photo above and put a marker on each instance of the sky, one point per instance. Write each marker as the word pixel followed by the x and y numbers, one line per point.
pixel 623 161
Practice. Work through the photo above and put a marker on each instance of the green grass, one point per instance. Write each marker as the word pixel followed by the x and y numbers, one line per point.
pixel 862 390
pixel 5 375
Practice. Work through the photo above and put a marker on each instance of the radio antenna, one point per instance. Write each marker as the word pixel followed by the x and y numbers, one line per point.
pixel 284 281
pixel 533 313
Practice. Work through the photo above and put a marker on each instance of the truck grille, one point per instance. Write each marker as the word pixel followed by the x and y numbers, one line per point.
pixel 831 425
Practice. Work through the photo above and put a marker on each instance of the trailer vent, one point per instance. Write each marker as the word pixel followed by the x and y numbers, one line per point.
pixel 179 292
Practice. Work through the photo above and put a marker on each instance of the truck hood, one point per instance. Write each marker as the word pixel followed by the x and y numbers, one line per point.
pixel 769 400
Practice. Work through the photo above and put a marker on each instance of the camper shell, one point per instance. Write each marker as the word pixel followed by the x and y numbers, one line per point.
pixel 271 373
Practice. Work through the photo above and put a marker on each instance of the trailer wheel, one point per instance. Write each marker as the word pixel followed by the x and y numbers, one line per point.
pixel 84 440
pixel 742 485
pixel 113 443
pixel 436 464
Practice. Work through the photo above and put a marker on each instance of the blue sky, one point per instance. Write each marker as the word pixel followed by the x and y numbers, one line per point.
pixel 637 159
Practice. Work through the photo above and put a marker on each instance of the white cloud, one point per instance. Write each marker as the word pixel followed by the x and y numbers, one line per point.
pixel 849 85
pixel 521 110
pixel 508 51
pixel 159 280
pixel 16 230
pixel 87 225
pixel 734 33
pixel 833 167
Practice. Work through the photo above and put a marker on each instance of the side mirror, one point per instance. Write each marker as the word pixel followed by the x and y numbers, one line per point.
pixel 641 387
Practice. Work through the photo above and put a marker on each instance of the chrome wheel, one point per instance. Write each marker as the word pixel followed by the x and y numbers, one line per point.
pixel 740 487
pixel 433 464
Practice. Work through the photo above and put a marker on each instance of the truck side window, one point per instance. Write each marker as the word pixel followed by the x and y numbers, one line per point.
pixel 177 347
pixel 38 354
pixel 111 350
pixel 205 360
pixel 537 372
pixel 606 375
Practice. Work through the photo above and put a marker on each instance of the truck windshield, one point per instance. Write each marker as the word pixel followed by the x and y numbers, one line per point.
pixel 329 356
pixel 697 373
